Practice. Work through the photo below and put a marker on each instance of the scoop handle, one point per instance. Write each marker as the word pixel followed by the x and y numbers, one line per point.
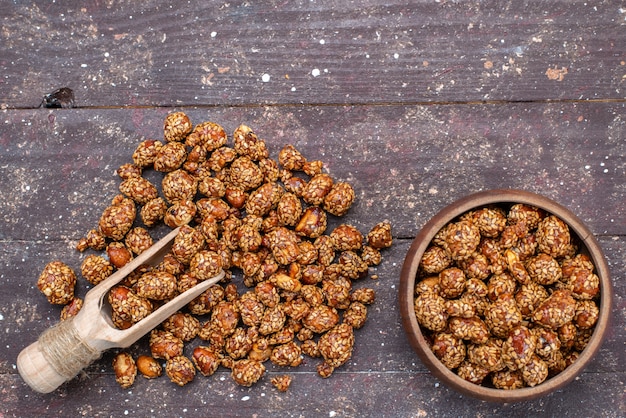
pixel 56 357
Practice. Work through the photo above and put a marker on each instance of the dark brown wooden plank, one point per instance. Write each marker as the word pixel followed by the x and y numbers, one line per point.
pixel 406 162
pixel 217 53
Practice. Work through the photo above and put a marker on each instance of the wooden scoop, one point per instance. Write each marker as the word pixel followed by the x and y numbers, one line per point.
pixel 62 351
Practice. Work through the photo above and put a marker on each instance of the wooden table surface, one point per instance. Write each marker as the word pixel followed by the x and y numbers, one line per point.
pixel 415 104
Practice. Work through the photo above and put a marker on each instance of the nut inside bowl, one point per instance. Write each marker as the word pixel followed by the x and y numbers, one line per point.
pixel 419 338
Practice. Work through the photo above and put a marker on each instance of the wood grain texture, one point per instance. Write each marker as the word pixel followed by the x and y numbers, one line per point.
pixel 415 103
pixel 219 53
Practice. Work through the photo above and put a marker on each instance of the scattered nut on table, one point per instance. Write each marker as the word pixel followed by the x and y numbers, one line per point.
pixel 265 220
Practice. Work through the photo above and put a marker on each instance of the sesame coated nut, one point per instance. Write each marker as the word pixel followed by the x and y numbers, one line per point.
pixel 180 370
pixel 125 370
pixel 56 282
pixel 95 268
pixel 247 372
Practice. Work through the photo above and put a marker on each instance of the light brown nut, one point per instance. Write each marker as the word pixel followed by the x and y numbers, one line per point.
pixel 125 370
pixel 207 300
pixel 180 213
pixel 452 282
pixel 139 189
pixel 284 245
pixel 56 282
pixel 245 173
pixel 312 168
pixel 547 342
pixel 95 268
pixel 288 354
pixel 325 249
pixel 355 315
pixel 285 282
pixel 587 313
pixel 282 382
pixel 529 297
pixel 346 237
pixel 583 284
pixel 461 240
pixel 500 284
pixel 487 355
pixel 118 254
pixel 336 345
pixel 187 243
pixel 325 370
pixel 206 359
pixel 291 159
pixel 176 126
pixel 535 371
pixel 267 293
pixel 321 318
pixel 250 308
pixel 205 264
pixel 476 266
pixel 179 185
pixel 164 345
pixel 530 215
pixel 544 269
pixel 211 187
pixel 472 329
pixel 146 152
pixel 430 311
pixel 156 285
pixel 502 315
pixel 153 211
pixel 272 321
pixel 371 255
pixel 434 260
pixel 364 295
pixel 507 379
pixel 289 209
pixel 71 309
pixel 182 325
pixel 553 236
pixel 225 318
pixel 515 267
pixel 463 307
pixel 379 236
pixel 247 372
pixel 236 196
pixel 490 221
pixel 339 199
pixel 337 292
pixel 149 367
pixel 117 219
pixel 127 306
pixel 270 170
pixel 170 157
pixel 449 349
pixel 238 344
pixel 317 188
pixel 180 370
pixel 138 240
pixel 472 372
pixel 247 143
pixel 519 347
pixel 556 310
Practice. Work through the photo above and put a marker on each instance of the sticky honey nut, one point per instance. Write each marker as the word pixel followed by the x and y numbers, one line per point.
pixel 125 370
pixel 56 282
pixel 149 367
pixel 206 359
pixel 180 370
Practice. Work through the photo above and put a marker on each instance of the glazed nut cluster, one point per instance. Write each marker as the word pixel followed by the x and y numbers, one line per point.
pixel 505 298
pixel 242 212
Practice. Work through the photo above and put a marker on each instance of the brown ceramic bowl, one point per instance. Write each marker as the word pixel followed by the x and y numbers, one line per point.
pixel 588 245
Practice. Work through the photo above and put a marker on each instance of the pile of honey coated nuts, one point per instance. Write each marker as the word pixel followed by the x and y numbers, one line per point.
pixel 238 211
pixel 505 298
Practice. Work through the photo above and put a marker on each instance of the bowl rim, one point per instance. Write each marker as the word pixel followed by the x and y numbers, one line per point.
pixel 407 285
